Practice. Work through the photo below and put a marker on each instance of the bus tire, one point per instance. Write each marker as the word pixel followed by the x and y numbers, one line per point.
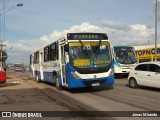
pixel 133 83
pixel 37 79
pixel 56 82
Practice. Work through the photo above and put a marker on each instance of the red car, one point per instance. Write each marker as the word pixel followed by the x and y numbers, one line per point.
pixel 2 76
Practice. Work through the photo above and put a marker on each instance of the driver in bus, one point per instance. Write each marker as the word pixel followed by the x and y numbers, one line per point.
pixel 121 56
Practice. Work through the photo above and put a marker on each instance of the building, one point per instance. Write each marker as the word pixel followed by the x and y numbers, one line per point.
pixel 147 52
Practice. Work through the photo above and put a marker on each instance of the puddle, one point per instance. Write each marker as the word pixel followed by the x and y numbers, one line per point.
pixel 9 78
pixel 17 81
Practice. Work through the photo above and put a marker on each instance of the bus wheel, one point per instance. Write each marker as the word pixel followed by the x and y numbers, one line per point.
pixel 57 83
pixel 37 79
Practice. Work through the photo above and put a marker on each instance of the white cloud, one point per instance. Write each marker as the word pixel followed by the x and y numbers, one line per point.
pixel 123 34
pixel 84 27
pixel 119 34
pixel 116 25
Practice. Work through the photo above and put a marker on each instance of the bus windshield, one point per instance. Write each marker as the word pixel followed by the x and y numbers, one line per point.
pixel 89 54
pixel 125 55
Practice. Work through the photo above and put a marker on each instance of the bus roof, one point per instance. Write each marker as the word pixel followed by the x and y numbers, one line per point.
pixel 64 36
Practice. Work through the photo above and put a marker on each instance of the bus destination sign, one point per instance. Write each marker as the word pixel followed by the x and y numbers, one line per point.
pixel 87 36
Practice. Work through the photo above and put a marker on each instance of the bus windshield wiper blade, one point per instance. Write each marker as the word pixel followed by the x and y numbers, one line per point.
pixel 81 43
pixel 97 46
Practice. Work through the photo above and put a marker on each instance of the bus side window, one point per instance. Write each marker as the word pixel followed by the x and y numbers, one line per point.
pixel 31 59
pixel 53 52
pixel 46 54
pixel 36 57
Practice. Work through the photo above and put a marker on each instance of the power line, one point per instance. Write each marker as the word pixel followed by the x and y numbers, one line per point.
pixel 5 5
pixel 4 27
pixel 45 16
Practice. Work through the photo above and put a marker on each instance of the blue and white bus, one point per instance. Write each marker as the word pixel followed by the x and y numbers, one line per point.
pixel 75 60
pixel 124 59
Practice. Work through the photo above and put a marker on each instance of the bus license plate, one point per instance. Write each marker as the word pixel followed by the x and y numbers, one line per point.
pixel 95 84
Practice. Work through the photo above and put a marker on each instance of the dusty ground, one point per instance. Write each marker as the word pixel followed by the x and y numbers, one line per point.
pixel 20 94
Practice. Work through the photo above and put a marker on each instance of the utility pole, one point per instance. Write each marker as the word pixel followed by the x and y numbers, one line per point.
pixel 3 54
pixel 156 27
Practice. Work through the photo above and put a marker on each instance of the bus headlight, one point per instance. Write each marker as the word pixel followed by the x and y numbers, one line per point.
pixel 112 72
pixel 74 75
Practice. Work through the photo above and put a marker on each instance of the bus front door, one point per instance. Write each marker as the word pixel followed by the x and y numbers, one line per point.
pixel 63 67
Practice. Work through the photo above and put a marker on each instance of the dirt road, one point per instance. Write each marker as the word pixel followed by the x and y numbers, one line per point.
pixel 23 93
pixel 19 94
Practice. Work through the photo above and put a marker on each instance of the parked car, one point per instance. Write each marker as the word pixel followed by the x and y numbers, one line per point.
pixel 2 76
pixel 145 74
pixel 18 69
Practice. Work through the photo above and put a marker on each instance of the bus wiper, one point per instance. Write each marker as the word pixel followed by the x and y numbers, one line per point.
pixel 81 43
pixel 97 46
pixel 82 46
pixel 85 51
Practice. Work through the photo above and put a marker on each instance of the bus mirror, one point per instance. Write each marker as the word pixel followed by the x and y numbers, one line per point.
pixel 66 48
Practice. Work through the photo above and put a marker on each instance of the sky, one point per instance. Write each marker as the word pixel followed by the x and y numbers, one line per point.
pixel 38 22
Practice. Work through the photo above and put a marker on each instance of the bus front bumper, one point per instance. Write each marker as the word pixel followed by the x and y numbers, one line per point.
pixel 77 83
